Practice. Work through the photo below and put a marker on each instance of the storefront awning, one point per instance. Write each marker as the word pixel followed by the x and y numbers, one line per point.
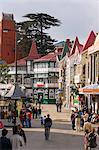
pixel 15 92
pixel 90 89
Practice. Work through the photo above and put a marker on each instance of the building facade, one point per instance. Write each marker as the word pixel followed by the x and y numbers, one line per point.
pixel 93 53
pixel 46 74
pixel 7 38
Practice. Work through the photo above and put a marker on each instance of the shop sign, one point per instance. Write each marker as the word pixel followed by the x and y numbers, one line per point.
pixel 40 84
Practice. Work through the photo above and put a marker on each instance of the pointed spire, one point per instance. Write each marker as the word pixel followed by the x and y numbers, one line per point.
pixel 76 43
pixel 33 54
pixel 65 50
pixel 90 41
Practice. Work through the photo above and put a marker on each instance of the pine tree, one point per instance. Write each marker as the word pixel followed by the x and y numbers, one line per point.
pixel 35 27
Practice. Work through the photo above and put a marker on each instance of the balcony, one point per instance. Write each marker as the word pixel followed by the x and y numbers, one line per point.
pixel 53 69
pixel 40 70
pixel 12 72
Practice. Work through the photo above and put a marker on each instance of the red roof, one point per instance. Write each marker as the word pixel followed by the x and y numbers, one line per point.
pixel 20 62
pixel 76 44
pixel 90 41
pixel 33 54
pixel 49 57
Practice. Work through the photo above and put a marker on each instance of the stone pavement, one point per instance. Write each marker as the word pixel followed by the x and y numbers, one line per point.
pixel 61 137
pixel 64 115
pixel 61 121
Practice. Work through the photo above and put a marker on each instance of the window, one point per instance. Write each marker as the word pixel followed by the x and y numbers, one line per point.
pixel 94 67
pixel 84 69
pixel 75 66
pixel 51 64
pixel 61 73
pixel 88 69
pixel 91 69
pixel 31 65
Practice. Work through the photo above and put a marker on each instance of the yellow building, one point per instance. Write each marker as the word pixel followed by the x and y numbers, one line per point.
pixel 90 70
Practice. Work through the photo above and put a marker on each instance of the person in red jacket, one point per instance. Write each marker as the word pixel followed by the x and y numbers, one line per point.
pixel 1 125
pixel 28 118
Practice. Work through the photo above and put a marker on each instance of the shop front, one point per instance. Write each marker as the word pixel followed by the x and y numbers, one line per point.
pixel 92 93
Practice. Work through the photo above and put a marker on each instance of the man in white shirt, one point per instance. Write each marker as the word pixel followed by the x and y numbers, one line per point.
pixel 16 140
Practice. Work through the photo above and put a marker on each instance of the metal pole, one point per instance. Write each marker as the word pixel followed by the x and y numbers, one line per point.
pixel 15 70
pixel 15 57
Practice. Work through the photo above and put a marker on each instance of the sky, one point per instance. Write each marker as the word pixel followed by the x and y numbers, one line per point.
pixel 78 17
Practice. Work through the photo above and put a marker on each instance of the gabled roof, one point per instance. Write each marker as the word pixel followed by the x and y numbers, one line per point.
pixel 65 50
pixel 76 44
pixel 20 62
pixel 90 41
pixel 49 57
pixel 95 47
pixel 33 54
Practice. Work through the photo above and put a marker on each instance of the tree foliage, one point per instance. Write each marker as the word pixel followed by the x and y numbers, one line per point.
pixel 35 27
pixel 4 73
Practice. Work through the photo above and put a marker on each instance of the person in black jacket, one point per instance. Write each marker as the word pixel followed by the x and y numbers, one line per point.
pixel 21 133
pixel 73 120
pixel 5 143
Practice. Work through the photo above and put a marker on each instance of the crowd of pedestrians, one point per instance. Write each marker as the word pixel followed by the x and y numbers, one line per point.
pixel 29 113
pixel 83 120
pixel 15 142
pixel 79 119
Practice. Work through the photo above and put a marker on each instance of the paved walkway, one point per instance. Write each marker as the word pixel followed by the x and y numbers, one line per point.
pixel 61 120
pixel 64 115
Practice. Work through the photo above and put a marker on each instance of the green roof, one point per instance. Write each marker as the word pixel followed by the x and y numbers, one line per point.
pixel 65 50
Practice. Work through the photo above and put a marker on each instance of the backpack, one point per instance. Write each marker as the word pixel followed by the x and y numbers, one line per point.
pixel 92 140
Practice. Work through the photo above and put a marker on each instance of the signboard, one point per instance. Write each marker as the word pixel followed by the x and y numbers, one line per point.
pixel 40 84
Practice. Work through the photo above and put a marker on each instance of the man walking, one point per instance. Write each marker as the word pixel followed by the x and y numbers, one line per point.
pixel 16 139
pixel 22 133
pixel 73 120
pixel 47 125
